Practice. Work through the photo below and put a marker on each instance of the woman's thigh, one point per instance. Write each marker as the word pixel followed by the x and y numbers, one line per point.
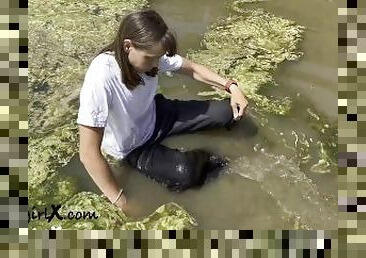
pixel 195 115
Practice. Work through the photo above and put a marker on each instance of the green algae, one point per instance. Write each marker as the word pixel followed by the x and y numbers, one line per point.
pixel 169 216
pixel 315 151
pixel 238 5
pixel 248 45
pixel 327 145
pixel 64 36
pixel 319 154
pixel 107 216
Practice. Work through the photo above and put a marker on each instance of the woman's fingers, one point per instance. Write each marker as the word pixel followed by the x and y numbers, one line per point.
pixel 239 110
pixel 242 108
pixel 235 111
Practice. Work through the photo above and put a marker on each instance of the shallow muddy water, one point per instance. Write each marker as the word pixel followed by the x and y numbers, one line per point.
pixel 262 187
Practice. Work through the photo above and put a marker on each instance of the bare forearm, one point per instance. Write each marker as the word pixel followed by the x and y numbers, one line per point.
pixel 204 74
pixel 102 175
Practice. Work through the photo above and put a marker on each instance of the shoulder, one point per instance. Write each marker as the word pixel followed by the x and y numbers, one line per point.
pixel 102 67
pixel 170 59
pixel 170 63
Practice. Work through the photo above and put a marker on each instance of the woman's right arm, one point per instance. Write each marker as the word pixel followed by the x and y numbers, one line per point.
pixel 96 165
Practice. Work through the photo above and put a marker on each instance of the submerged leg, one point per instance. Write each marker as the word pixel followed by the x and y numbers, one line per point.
pixel 176 169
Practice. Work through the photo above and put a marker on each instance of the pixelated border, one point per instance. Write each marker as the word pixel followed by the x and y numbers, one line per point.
pixel 14 128
pixel 180 242
pixel 352 128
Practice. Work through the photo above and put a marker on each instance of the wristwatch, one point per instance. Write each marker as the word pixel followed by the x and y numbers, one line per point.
pixel 228 84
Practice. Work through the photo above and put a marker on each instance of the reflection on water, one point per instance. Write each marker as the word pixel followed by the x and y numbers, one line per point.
pixel 264 186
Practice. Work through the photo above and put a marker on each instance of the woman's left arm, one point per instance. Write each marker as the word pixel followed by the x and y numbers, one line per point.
pixel 201 73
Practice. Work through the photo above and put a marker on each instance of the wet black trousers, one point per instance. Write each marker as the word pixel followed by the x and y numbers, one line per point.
pixel 179 170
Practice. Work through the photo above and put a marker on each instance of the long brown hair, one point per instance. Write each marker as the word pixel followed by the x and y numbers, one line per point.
pixel 144 28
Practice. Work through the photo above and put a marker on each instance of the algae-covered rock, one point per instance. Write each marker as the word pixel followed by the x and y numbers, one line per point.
pixel 248 45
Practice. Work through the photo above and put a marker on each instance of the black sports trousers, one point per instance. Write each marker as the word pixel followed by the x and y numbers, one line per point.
pixel 179 170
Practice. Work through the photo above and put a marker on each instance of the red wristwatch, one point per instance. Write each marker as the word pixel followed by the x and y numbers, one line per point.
pixel 227 85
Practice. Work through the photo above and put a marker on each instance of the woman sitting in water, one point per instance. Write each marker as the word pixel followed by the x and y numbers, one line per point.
pixel 121 113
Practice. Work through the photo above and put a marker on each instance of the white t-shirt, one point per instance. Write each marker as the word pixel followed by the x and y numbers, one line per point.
pixel 128 116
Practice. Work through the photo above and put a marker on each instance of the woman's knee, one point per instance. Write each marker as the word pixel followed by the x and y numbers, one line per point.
pixel 222 112
pixel 227 113
pixel 184 177
pixel 188 173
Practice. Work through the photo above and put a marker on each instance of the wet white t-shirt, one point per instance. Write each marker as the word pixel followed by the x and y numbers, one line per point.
pixel 128 116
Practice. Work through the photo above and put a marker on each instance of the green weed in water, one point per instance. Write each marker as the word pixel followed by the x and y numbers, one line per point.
pixel 248 46
pixel 64 36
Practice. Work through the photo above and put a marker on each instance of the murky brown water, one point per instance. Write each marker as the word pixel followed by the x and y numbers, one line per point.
pixel 258 190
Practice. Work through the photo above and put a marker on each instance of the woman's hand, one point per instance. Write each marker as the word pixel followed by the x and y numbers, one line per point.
pixel 130 209
pixel 238 101
pixel 122 203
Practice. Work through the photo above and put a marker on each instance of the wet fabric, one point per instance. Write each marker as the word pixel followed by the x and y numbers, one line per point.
pixel 176 169
pixel 105 101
